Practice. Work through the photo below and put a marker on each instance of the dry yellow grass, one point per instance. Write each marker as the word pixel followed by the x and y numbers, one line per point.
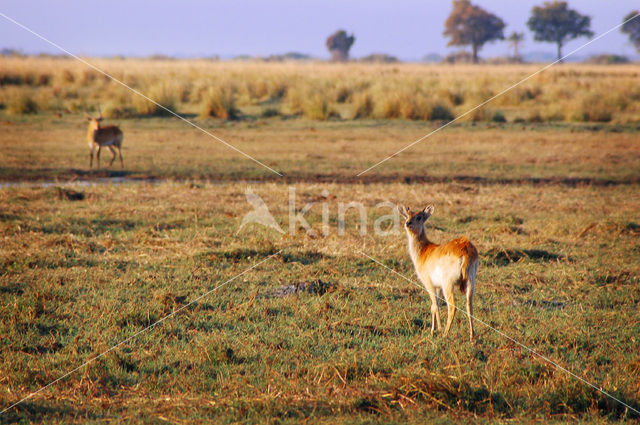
pixel 410 91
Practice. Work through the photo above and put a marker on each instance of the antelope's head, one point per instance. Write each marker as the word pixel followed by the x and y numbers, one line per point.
pixel 414 221
pixel 94 122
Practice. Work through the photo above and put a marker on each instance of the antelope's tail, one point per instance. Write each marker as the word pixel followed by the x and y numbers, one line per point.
pixel 469 266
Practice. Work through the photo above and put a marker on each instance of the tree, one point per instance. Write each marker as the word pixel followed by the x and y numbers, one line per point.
pixel 556 23
pixel 514 42
pixel 632 28
pixel 339 44
pixel 471 25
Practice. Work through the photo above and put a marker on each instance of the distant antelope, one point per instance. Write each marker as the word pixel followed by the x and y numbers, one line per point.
pixel 109 136
pixel 441 267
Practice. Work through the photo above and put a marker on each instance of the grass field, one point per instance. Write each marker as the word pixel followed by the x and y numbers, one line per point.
pixel 551 206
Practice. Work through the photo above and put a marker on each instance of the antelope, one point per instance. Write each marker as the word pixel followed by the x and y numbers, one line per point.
pixel 441 268
pixel 109 136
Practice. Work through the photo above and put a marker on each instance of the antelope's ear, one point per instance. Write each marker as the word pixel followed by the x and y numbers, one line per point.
pixel 404 211
pixel 428 210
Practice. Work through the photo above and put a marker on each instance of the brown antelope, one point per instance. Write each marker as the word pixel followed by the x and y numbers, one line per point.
pixel 441 268
pixel 109 136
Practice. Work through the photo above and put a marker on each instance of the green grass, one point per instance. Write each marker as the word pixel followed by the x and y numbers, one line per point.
pixel 77 277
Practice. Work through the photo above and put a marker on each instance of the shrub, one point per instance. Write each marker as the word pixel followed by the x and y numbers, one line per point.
pixel 362 105
pixel 295 98
pixel 456 97
pixel 67 76
pixel 317 107
pixel 115 109
pixel 401 105
pixel 343 93
pixel 608 59
pixel 161 94
pixel 379 58
pixel 256 90
pixel 441 112
pixel 219 102
pixel 47 101
pixel 554 112
pixel 411 106
pixel 479 114
pixel 498 116
pixel 459 57
pixel 270 112
pixel 535 117
pixel 590 108
pixel 277 89
pixel 19 102
pixel 9 78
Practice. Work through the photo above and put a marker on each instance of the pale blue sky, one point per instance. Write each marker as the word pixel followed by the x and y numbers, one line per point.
pixel 408 29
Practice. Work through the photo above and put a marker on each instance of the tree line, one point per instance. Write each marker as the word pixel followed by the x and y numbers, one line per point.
pixel 470 25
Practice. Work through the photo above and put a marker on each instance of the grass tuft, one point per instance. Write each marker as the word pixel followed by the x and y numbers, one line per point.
pixel 219 102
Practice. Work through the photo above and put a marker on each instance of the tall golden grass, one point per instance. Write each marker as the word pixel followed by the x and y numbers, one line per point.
pixel 321 91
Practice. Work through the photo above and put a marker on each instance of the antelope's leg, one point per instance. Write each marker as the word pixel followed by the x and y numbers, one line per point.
pixel 98 155
pixel 120 153
pixel 435 314
pixel 451 308
pixel 438 299
pixel 113 158
pixel 91 158
pixel 470 310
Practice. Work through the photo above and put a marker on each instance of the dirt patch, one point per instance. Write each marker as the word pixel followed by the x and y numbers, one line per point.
pixel 315 287
pixel 546 304
pixel 503 257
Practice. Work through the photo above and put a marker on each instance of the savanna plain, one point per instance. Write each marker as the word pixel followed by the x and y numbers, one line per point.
pixel 544 180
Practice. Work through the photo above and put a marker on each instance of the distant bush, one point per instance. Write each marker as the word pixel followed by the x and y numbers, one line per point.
pixel 343 93
pixel 432 58
pixel 535 117
pixel 291 56
pixel 411 106
pixel 480 114
pixel 270 112
pixel 159 93
pixel 20 102
pixel 160 57
pixel 607 59
pixel 498 116
pixel 379 58
pixel 219 102
pixel 295 98
pixel 590 108
pixel 441 112
pixel 27 78
pixel 316 107
pixel 115 109
pixel 554 112
pixel 459 57
pixel 362 106
pixel 504 60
